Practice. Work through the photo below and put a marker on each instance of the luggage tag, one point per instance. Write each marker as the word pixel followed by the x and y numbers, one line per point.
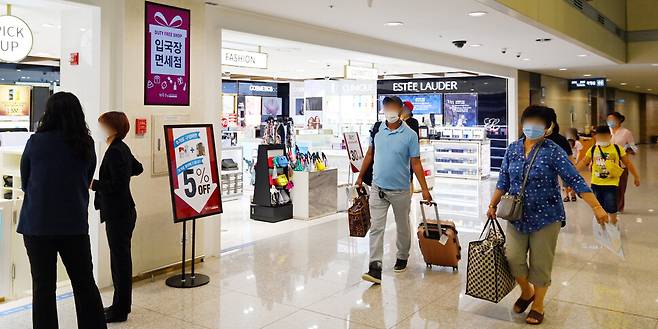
pixel 443 239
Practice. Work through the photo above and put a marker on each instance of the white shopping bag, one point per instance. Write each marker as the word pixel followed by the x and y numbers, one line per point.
pixel 609 236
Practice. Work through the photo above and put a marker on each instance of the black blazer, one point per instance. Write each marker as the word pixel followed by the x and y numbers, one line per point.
pixel 56 185
pixel 113 197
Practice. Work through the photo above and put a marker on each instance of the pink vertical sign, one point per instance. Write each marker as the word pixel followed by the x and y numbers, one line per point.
pixel 166 55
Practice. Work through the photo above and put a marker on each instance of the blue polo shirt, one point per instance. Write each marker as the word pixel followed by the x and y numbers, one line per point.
pixel 393 152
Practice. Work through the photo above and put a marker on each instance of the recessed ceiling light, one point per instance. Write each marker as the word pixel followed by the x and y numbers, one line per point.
pixel 637 86
pixel 582 55
pixel 397 23
pixel 623 83
pixel 47 25
pixel 18 70
pixel 82 29
pixel 649 89
pixel 563 69
pixel 654 64
pixel 477 13
pixel 475 45
pixel 526 59
pixel 587 75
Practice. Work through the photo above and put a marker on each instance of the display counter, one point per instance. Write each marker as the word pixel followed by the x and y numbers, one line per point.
pixel 427 159
pixel 462 158
pixel 314 194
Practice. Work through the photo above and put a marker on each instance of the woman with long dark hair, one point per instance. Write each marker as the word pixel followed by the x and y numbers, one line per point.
pixel 117 207
pixel 57 168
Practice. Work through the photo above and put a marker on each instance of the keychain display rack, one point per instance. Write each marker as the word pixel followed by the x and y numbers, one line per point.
pixel 262 208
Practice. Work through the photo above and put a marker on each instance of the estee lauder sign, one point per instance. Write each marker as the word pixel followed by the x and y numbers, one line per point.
pixel 424 86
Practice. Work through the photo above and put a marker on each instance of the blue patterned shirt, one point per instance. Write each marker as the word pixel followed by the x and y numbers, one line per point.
pixel 542 202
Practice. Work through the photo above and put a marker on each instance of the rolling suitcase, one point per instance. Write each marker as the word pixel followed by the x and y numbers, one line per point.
pixel 438 240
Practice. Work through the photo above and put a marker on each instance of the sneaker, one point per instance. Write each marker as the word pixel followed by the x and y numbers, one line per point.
pixel 374 274
pixel 400 265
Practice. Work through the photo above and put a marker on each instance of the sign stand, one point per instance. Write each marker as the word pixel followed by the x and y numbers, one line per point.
pixel 193 279
pixel 194 187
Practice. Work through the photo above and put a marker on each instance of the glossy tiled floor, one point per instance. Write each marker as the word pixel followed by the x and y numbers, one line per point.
pixel 310 278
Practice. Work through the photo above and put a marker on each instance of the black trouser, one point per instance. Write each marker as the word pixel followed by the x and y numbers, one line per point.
pixel 119 233
pixel 75 251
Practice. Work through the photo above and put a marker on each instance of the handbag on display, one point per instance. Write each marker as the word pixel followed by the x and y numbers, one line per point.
pixel 281 161
pixel 510 206
pixel 359 214
pixel 229 164
pixel 270 162
pixel 284 197
pixel 488 276
pixel 281 180
pixel 275 195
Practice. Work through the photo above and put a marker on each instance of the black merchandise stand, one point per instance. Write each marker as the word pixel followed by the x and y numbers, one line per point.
pixel 262 208
pixel 192 279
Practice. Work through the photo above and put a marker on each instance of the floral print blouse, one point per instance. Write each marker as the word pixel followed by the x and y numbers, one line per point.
pixel 542 202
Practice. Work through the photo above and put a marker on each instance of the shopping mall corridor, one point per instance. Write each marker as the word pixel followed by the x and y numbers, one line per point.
pixel 310 278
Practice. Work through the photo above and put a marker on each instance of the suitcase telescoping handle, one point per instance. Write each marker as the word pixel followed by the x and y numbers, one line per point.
pixel 436 211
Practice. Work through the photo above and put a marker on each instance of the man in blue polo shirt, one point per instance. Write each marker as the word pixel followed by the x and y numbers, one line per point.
pixel 397 152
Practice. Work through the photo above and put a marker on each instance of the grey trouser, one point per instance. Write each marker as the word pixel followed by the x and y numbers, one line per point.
pixel 541 247
pixel 400 200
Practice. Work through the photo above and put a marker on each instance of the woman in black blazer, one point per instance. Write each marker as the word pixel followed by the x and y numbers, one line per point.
pixel 117 208
pixel 57 167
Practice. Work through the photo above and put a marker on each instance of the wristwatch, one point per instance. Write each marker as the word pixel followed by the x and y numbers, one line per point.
pixel 492 206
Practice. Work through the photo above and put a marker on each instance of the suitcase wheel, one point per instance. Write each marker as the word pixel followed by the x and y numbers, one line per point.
pixel 428 265
pixel 455 268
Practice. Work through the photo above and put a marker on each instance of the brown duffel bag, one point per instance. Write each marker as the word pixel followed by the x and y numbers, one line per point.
pixel 359 214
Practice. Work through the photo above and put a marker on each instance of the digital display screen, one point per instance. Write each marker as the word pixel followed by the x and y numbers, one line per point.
pixel 423 103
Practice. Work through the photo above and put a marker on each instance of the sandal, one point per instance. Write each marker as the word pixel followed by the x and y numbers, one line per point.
pixel 535 316
pixel 522 304
pixel 566 199
pixel 573 198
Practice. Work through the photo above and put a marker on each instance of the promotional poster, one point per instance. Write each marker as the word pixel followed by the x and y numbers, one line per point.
pixel 167 55
pixel 193 174
pixel 15 100
pixel 460 110
pixel 354 150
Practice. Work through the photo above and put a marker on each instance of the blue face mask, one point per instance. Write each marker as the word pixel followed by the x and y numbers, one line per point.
pixel 612 124
pixel 533 131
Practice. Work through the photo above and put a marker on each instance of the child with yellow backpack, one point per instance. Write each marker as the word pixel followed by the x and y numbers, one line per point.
pixel 606 170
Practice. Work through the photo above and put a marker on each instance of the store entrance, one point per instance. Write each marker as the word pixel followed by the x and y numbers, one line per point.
pixel 61 32
pixel 316 96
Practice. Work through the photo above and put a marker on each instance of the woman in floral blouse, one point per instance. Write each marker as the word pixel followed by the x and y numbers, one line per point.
pixel 543 212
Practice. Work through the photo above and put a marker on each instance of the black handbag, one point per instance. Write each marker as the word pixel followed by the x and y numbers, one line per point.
pixel 510 206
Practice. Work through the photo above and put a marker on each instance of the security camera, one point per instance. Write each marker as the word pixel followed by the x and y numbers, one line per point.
pixel 504 50
pixel 459 43
pixel 518 55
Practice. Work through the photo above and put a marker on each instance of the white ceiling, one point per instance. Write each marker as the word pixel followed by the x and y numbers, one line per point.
pixel 434 24
pixel 296 60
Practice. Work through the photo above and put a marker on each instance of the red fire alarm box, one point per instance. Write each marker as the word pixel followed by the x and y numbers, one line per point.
pixel 74 59
pixel 140 126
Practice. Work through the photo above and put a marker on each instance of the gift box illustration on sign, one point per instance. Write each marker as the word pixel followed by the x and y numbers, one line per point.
pixel 168 53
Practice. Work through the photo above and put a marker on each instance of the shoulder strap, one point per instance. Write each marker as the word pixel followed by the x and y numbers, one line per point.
pixel 374 131
pixel 527 172
pixel 603 154
pixel 618 151
pixel 592 151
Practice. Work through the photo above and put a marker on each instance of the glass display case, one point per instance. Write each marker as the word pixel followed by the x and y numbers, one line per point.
pixel 462 158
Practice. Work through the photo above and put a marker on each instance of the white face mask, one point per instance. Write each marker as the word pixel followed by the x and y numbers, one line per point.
pixel 392 116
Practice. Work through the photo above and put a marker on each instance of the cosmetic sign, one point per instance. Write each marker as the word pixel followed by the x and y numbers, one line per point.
pixel 354 150
pixel 167 55
pixel 193 174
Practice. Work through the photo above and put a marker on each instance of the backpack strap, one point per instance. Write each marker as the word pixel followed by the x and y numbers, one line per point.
pixel 618 152
pixel 374 131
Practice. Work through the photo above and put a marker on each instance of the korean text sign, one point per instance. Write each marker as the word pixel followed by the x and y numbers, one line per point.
pixel 167 55
pixel 193 174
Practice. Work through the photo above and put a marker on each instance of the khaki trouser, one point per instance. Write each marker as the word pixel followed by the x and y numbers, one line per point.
pixel 401 203
pixel 540 246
